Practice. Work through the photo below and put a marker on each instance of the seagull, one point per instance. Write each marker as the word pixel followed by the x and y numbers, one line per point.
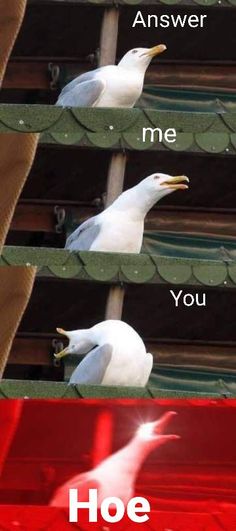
pixel 116 355
pixel 119 228
pixel 113 85
pixel 116 475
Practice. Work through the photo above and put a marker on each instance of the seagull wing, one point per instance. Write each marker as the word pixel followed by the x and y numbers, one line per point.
pixel 83 91
pixel 87 76
pixel 83 237
pixel 82 482
pixel 92 368
pixel 147 368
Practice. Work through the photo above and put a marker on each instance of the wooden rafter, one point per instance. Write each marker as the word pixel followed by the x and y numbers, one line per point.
pixel 33 74
pixel 37 349
pixel 34 216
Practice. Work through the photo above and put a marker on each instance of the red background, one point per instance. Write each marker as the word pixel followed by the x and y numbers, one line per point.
pixel 190 483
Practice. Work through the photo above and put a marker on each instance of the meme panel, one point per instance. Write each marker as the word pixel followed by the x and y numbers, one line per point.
pixel 118 265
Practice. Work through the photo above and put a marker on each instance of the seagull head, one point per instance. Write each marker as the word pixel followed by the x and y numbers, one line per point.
pixel 79 343
pixel 161 184
pixel 152 432
pixel 139 58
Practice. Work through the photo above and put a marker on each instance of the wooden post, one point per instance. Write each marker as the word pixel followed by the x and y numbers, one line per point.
pixel 109 36
pixel 114 304
pixel 115 180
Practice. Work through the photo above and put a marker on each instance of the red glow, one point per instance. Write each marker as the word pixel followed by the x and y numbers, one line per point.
pixel 10 416
pixel 103 437
pixel 190 483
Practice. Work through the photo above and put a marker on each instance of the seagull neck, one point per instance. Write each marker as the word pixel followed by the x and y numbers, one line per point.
pixel 96 335
pixel 136 200
pixel 132 456
pixel 137 69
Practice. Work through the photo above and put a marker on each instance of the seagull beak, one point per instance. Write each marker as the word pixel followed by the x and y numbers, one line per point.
pixel 176 183
pixel 61 331
pixel 63 352
pixel 161 424
pixel 156 50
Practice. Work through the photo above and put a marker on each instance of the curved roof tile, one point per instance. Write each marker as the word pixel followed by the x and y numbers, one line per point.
pixel 122 128
pixel 215 3
pixel 130 268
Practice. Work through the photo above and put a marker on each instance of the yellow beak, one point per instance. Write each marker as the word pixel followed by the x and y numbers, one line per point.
pixel 61 331
pixel 63 352
pixel 156 50
pixel 176 182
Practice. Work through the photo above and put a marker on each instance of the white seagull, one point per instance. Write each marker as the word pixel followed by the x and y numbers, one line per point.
pixel 119 228
pixel 116 355
pixel 116 475
pixel 113 85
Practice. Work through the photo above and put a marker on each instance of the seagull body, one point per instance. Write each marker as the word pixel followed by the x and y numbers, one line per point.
pixel 113 85
pixel 119 228
pixel 116 355
pixel 116 475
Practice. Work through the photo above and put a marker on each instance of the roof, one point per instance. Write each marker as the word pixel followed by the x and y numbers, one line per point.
pixel 215 3
pixel 174 383
pixel 122 128
pixel 130 268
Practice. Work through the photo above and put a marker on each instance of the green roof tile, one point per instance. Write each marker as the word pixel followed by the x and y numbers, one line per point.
pixel 122 128
pixel 130 268
pixel 196 3
pixel 38 389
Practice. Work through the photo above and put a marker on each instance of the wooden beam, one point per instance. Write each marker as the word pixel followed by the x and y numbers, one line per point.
pixel 192 222
pixel 33 74
pixel 32 351
pixel 27 75
pixel 33 218
pixel 217 357
pixel 37 349
pixel 202 76
pixel 39 216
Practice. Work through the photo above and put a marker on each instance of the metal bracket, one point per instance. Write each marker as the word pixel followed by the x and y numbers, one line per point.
pixel 54 71
pixel 93 58
pixel 60 215
pixel 99 202
pixel 57 346
pixel 224 253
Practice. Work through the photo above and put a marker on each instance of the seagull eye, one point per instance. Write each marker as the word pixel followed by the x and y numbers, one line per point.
pixel 135 51
pixel 156 176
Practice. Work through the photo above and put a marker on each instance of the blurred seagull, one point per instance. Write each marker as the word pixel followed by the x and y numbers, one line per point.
pixel 116 355
pixel 119 228
pixel 116 475
pixel 113 85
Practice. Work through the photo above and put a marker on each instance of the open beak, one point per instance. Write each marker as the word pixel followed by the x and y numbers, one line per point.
pixel 63 352
pixel 156 50
pixel 160 425
pixel 154 430
pixel 177 182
